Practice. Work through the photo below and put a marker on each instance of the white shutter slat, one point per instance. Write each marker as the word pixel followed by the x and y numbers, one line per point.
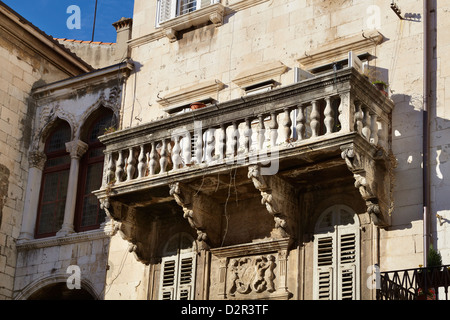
pixel 347 259
pixel 325 284
pixel 166 10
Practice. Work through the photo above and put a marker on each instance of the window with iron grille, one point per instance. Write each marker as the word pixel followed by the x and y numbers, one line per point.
pixel 55 177
pixel 336 255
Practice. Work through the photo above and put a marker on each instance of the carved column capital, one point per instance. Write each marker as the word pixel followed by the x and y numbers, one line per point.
pixel 76 148
pixel 36 159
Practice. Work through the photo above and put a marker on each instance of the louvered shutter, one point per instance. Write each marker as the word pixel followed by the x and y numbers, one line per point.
pixel 177 277
pixel 168 279
pixel 347 266
pixel 167 10
pixel 186 276
pixel 324 273
pixel 336 256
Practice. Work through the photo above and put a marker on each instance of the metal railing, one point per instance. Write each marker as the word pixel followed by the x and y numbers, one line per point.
pixel 430 283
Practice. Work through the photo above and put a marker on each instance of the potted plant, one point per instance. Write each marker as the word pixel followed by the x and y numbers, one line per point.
pixel 381 85
pixel 197 105
pixel 434 277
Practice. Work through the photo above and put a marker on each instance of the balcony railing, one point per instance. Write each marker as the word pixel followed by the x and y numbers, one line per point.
pixel 415 284
pixel 324 111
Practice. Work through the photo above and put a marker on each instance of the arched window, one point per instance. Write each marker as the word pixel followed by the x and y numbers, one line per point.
pixel 337 255
pixel 53 192
pixel 178 269
pixel 89 215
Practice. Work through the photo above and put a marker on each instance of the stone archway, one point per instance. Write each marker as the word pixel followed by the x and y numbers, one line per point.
pixel 60 291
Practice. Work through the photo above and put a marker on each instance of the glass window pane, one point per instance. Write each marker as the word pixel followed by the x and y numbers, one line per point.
pixel 57 141
pixel 99 127
pixel 91 213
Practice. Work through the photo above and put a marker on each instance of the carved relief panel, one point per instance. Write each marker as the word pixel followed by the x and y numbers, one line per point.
pixel 253 271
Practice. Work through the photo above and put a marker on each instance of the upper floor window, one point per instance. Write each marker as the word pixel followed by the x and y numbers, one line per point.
pixel 52 199
pixel 169 9
pixel 89 215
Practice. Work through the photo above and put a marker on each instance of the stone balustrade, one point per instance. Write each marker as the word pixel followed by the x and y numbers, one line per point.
pixel 253 129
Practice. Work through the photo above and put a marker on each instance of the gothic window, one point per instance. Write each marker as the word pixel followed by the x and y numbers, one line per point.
pixel 178 269
pixel 336 255
pixel 89 215
pixel 55 177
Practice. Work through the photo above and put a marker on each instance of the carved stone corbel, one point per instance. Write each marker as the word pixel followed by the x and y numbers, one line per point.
pixel 267 198
pixel 365 172
pixel 183 197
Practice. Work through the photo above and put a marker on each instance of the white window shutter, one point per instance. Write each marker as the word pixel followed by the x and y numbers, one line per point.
pixel 167 10
pixel 178 277
pixel 348 264
pixel 186 277
pixel 324 260
pixel 168 279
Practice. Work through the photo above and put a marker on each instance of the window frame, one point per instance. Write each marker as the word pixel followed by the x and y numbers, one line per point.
pixel 85 163
pixel 65 167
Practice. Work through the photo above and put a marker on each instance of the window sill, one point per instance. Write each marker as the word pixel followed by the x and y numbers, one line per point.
pixel 101 233
pixel 213 13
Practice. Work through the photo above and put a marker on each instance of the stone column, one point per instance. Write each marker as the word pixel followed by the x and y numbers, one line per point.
pixel 76 149
pixel 36 161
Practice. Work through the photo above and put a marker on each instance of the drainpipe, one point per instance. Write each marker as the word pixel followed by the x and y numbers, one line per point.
pixel 426 134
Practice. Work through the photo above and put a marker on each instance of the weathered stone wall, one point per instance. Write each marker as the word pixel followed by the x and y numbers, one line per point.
pixel 21 69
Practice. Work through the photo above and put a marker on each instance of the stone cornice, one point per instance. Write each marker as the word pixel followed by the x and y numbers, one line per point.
pixel 339 49
pixel 59 241
pixel 260 73
pixel 186 95
pixel 257 247
pixel 23 31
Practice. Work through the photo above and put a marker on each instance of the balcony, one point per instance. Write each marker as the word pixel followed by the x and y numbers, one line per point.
pixel 430 283
pixel 313 131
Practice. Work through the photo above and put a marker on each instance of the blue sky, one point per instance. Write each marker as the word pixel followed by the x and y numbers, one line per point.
pixel 51 17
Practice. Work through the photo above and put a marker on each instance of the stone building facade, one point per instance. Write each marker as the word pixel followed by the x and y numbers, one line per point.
pixel 295 180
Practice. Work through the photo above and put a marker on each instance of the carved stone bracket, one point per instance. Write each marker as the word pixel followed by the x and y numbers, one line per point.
pixel 372 178
pixel 184 198
pixel 272 199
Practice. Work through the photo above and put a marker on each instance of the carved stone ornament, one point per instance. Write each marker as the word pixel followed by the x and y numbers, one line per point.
pixel 184 200
pixel 252 274
pixel 37 159
pixel 267 199
pixel 364 175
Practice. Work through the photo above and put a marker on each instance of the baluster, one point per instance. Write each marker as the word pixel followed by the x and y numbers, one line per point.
pixel 164 160
pixel 210 145
pixel 383 134
pixel 198 141
pixel 110 171
pixel 301 123
pixel 235 139
pixel 176 156
pixel 222 141
pixel 142 165
pixel 248 135
pixel 119 168
pixel 358 117
pixel 131 164
pixel 315 116
pixel 366 124
pixel 329 116
pixel 187 145
pixel 287 123
pixel 374 129
pixel 153 162
pixel 261 132
pixel 273 129
pixel 344 110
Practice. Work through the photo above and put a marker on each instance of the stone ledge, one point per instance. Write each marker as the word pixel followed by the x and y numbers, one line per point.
pixel 59 241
